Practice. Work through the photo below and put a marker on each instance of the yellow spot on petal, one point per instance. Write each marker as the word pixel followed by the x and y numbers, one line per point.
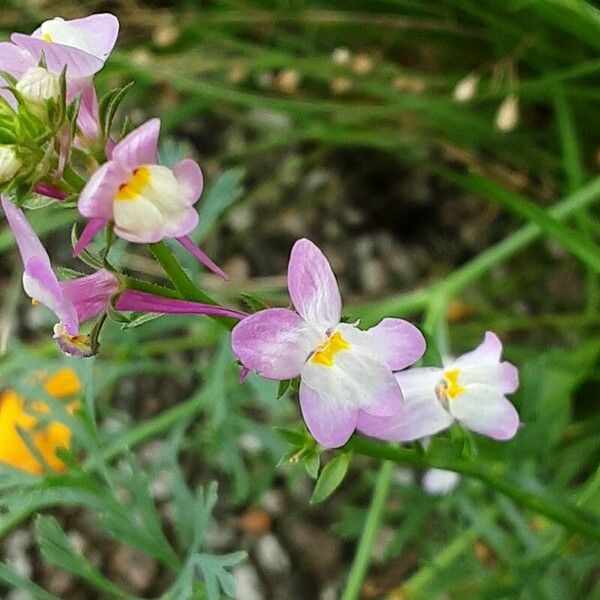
pixel 325 353
pixel 34 302
pixel 17 419
pixel 449 387
pixel 133 188
pixel 47 37
pixel 454 388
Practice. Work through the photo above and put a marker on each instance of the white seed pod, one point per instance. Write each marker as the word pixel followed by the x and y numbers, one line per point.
pixel 9 163
pixel 39 85
pixel 507 116
pixel 466 88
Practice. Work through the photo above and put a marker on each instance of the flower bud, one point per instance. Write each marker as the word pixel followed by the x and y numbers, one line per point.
pixel 465 89
pixel 507 116
pixel 39 85
pixel 9 163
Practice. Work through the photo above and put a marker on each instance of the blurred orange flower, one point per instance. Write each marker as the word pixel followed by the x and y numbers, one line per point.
pixel 16 414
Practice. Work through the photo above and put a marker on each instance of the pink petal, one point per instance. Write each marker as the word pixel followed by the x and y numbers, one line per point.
pixel 274 342
pixel 188 174
pixel 179 226
pixel 135 300
pixel 88 118
pixel 509 377
pixel 488 351
pixel 400 343
pixel 40 283
pixel 421 414
pixel 90 294
pixel 101 32
pixel 329 422
pixel 27 241
pixel 187 243
pixel 78 62
pixel 140 147
pixel 97 197
pixel 313 287
pixel 15 60
pixel 92 227
pixel 483 409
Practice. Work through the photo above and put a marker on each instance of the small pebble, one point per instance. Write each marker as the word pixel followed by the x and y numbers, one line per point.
pixel 271 555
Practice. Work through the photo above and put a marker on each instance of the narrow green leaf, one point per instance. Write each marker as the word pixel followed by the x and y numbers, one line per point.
pixel 283 387
pixel 331 477
pixel 57 550
pixel 571 240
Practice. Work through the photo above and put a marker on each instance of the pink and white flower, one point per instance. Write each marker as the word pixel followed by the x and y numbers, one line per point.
pixel 73 301
pixel 471 390
pixel 79 45
pixel 345 372
pixel 147 202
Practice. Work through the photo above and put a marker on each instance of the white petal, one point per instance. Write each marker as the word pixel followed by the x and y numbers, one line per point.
pixel 357 377
pixel 138 220
pixel 484 409
pixel 421 413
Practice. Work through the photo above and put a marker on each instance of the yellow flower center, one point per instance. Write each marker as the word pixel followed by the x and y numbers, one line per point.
pixel 17 419
pixel 47 37
pixel 325 353
pixel 449 387
pixel 136 184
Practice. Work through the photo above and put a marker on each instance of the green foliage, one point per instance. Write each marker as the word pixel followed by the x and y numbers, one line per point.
pixel 477 542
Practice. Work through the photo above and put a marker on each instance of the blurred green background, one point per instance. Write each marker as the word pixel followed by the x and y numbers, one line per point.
pixel 339 122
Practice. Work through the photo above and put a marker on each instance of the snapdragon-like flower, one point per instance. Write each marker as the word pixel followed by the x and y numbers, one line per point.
pixel 17 418
pixel 73 301
pixel 471 390
pixel 147 202
pixel 345 372
pixel 80 45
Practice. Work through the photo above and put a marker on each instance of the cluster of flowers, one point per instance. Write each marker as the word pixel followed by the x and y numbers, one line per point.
pixel 54 132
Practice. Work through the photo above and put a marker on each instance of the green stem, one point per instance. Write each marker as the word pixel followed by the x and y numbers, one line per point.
pixel 567 515
pixel 417 584
pixel 362 557
pixel 151 288
pixel 573 167
pixel 515 242
pixel 473 270
pixel 180 279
